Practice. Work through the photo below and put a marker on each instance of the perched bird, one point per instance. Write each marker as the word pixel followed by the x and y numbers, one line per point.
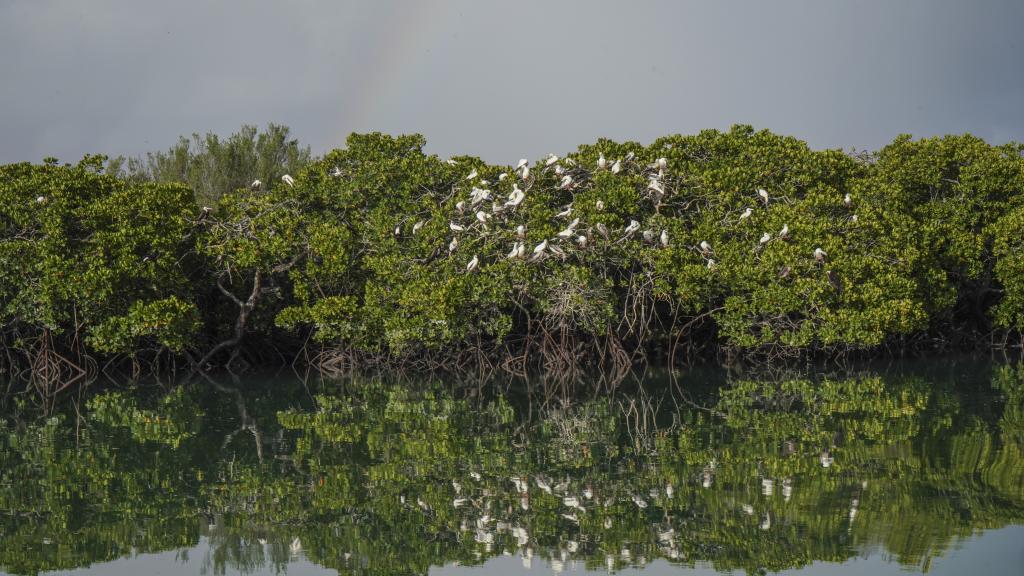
pixel 482 216
pixel 784 233
pixel 565 212
pixel 398 230
pixel 522 163
pixel 539 249
pixel 582 241
pixel 460 206
pixel 288 180
pixel 664 238
pixel 256 184
pixel 632 227
pixel 551 159
pixel 853 218
pixel 450 162
pixel 848 200
pixel 819 255
pixel 639 501
pixel 502 176
pixel 514 252
pixel 763 194
pixel 765 238
pixel 456 227
pixel 705 248
pixel 566 182
pixel 526 172
pixel 662 163
pixel 617 167
pixel 649 236
pixel 599 205
pixel 520 231
pixel 568 232
pixel 416 227
pixel 473 264
pixel 602 230
pixel 711 263
pixel 472 175
pixel 826 459
pixel 336 172
pixel 516 197
pixel 453 245
pixel 296 546
pixel 41 199
pixel 746 213
pixel 656 186
pixel 559 170
pixel 602 162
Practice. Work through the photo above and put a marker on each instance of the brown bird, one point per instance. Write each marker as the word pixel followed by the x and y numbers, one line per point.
pixel 835 281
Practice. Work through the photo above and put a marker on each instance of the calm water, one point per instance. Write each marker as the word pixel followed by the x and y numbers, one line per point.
pixel 913 468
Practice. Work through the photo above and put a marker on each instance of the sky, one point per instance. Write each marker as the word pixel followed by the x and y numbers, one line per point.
pixel 503 80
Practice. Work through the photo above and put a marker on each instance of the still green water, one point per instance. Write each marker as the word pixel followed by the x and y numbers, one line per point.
pixel 884 470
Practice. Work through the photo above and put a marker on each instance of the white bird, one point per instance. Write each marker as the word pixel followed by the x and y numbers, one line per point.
pixel 460 206
pixel 516 197
pixel 453 245
pixel 819 255
pixel 602 230
pixel 765 238
pixel 456 227
pixel 617 167
pixel 653 184
pixel 566 182
pixel 416 227
pixel 288 180
pixel 459 502
pixel 522 163
pixel 748 509
pixel 705 248
pixel 826 459
pixel 853 218
pixel 602 162
pixel 711 263
pixel 473 264
pixel 649 236
pixel 848 200
pixel 784 233
pixel 478 195
pixel 256 184
pixel 472 175
pixel 564 213
pixel 559 170
pixel 526 172
pixel 569 229
pixel 582 241
pixel 572 502
pixel 514 252
pixel 450 162
pixel 664 238
pixel 482 216
pixel 336 172
pixel 551 160
pixel 639 501
pixel 539 249
pixel 746 213
pixel 398 230
pixel 632 227
pixel 502 176
pixel 763 194
pixel 767 486
pixel 599 205
pixel 520 483
pixel 542 482
pixel 669 490
pixel 662 163
pixel 520 231
pixel 522 250
pixel 41 199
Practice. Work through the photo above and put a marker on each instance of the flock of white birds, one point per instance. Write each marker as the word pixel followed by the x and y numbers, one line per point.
pixel 474 215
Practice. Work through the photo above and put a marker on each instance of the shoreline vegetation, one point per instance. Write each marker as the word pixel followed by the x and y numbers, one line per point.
pixel 740 245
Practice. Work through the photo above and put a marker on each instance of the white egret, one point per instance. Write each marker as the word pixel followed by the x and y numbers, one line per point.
pixel 632 227
pixel 460 206
pixel 572 502
pixel 656 186
pixel 669 490
pixel 566 182
pixel 569 229
pixel 541 481
pixel 763 194
pixel 472 175
pixel 664 238
pixel 617 167
pixel 765 238
pixel 705 248
pixel 482 216
pixel 514 252
pixel 711 263
pixel 582 241
pixel 473 263
pixel 599 205
pixel 521 231
pixel 256 184
pixel 551 159
pixel 602 162
pixel 784 233
pixel 662 163
pixel 537 251
pixel 520 483
pixel 288 180
pixel 848 200
pixel 526 172
pixel 502 176
pixel 516 197
pixel 766 522
pixel 767 486
pixel 416 227
pixel 630 156
pixel 639 501
pixel 748 509
pixel 746 213
pixel 336 172
pixel 456 227
pixel 522 163
pixel 521 253
pixel 853 218
pixel 453 245
pixel 565 213
pixel 559 170
pixel 398 230
pixel 41 199
pixel 826 459
pixel 649 236
pixel 819 255
pixel 450 162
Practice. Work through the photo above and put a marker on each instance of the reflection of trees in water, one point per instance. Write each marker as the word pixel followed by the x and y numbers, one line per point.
pixel 390 479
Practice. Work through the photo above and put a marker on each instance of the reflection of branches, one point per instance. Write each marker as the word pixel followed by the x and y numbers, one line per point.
pixel 246 422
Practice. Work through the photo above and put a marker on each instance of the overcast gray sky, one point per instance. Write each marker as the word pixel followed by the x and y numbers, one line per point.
pixel 503 79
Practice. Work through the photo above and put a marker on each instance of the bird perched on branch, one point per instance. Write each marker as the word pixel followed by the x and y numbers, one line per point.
pixel 287 179
pixel 819 255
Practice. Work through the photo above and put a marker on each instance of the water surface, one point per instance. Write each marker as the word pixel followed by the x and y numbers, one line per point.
pixel 877 471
